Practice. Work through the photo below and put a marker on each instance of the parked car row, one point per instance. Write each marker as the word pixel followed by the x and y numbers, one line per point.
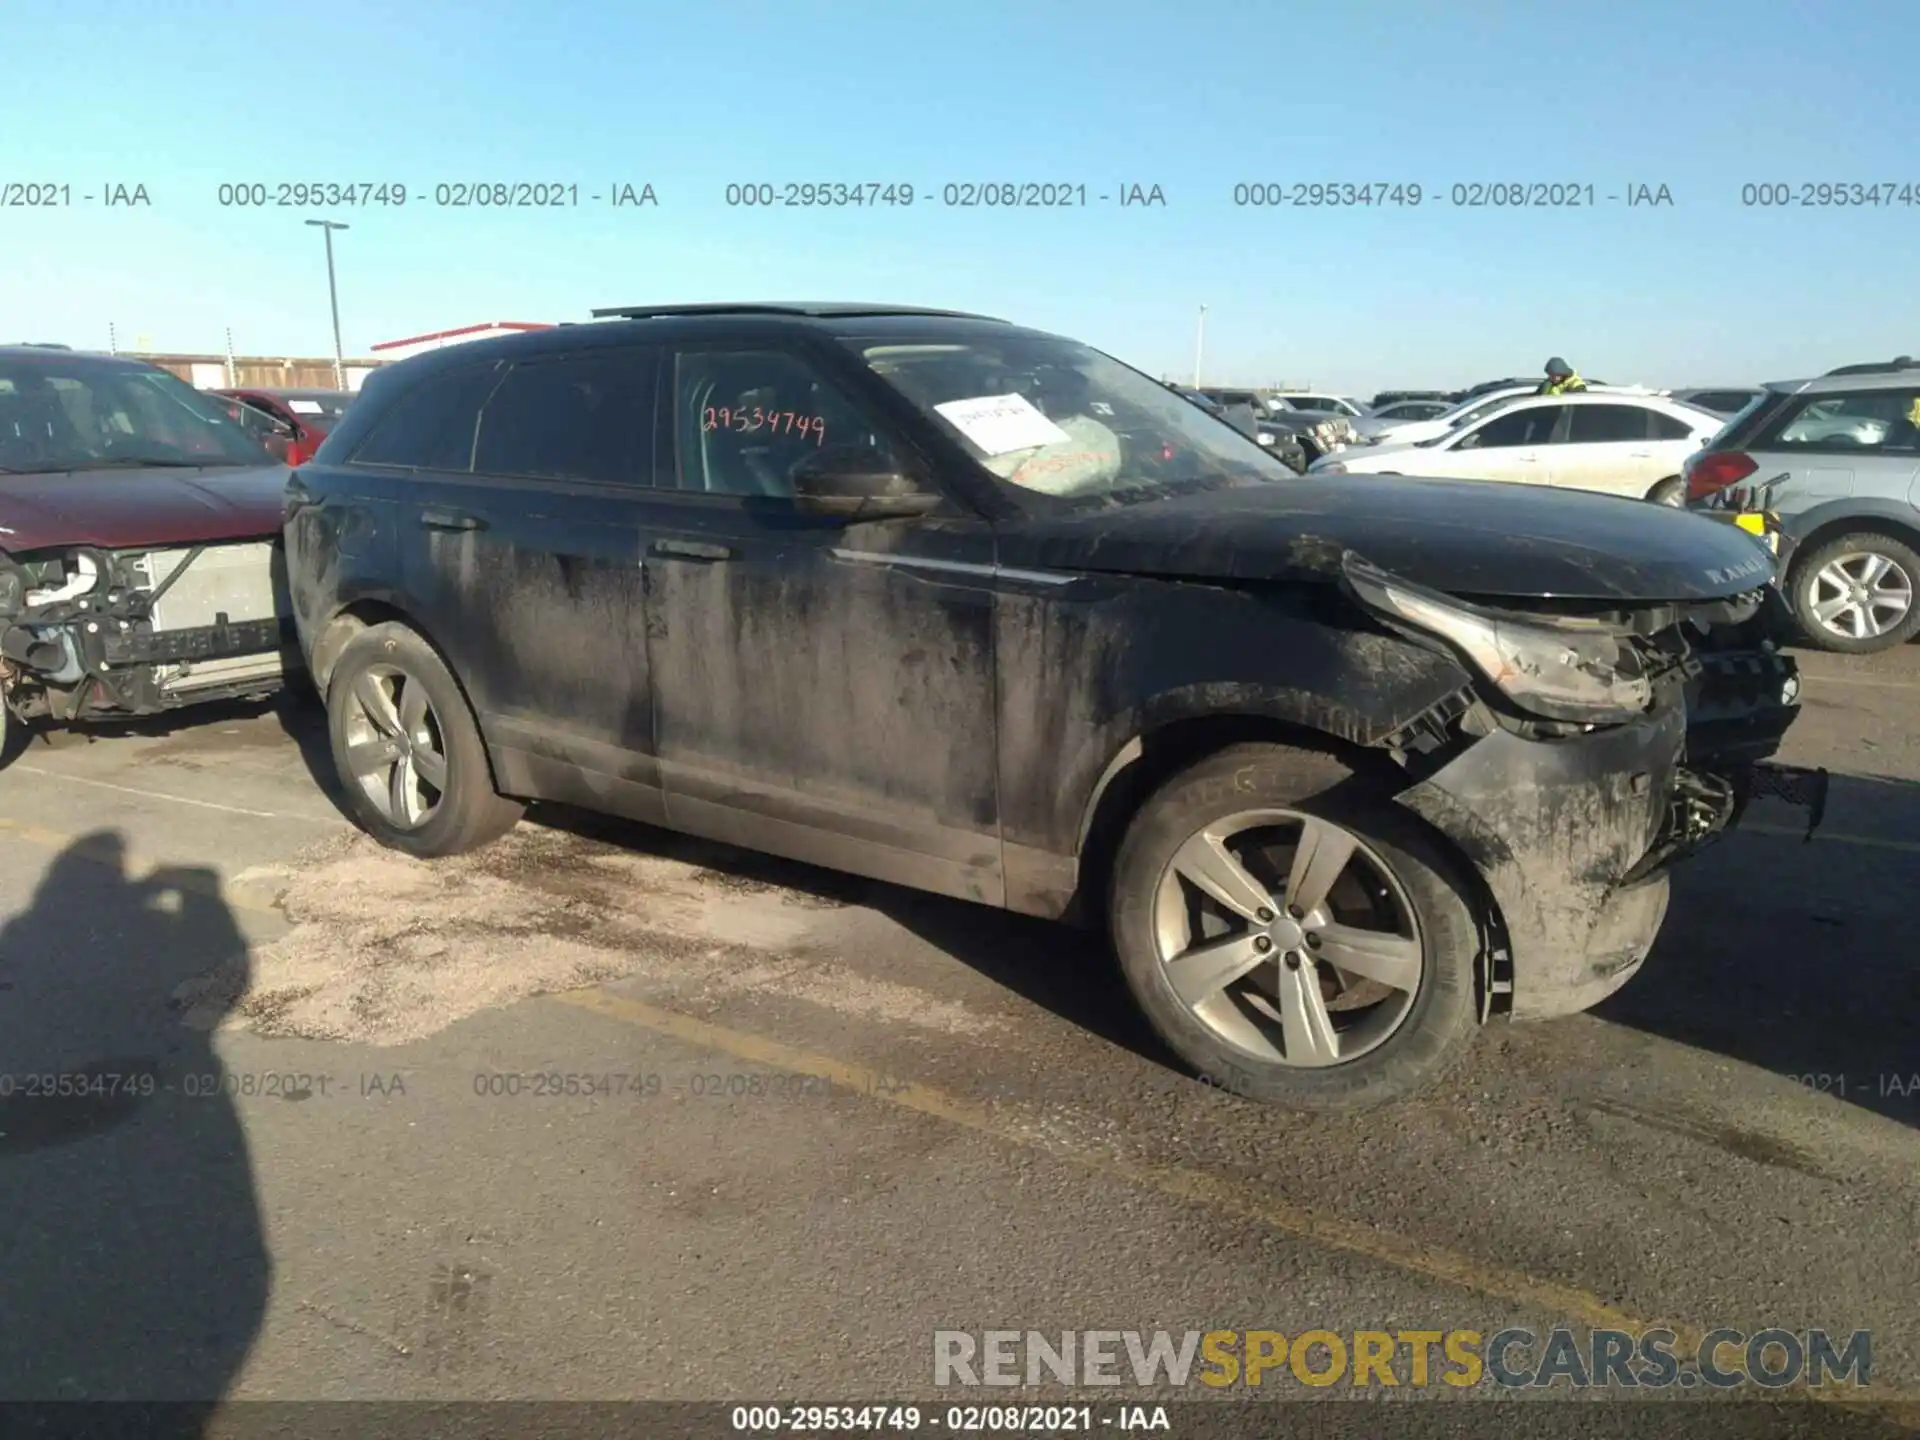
pixel 1826 471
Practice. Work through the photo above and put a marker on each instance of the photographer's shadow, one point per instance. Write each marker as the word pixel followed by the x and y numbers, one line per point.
pixel 132 1260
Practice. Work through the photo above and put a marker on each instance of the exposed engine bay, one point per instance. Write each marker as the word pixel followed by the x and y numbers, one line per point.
pixel 91 633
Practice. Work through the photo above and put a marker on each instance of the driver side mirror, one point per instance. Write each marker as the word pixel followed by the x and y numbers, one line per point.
pixel 857 482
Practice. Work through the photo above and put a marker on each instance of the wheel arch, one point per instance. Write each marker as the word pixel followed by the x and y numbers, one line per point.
pixel 1155 755
pixel 350 620
pixel 1831 522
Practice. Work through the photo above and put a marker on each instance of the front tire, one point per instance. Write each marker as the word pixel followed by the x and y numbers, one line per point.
pixel 1854 595
pixel 1294 936
pixel 407 748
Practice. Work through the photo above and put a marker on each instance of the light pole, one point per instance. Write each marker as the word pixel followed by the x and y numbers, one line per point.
pixel 1199 345
pixel 327 227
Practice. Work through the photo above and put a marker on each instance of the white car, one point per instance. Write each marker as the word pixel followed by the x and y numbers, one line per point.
pixel 1408 432
pixel 1330 404
pixel 1619 444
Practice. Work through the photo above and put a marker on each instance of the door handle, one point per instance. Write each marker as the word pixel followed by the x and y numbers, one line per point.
pixel 691 550
pixel 435 519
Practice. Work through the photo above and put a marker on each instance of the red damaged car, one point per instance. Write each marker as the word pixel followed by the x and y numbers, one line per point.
pixel 140 563
pixel 297 420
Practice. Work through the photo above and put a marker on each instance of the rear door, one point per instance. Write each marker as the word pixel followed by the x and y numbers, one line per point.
pixel 821 690
pixel 1614 449
pixel 524 564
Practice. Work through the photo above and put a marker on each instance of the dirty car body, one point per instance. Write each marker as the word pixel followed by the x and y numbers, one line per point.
pixel 947 602
pixel 140 567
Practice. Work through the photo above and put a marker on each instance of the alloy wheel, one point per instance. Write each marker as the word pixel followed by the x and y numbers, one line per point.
pixel 1861 595
pixel 394 748
pixel 1288 937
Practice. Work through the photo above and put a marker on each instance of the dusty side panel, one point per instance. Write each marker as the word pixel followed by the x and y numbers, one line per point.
pixel 830 691
pixel 1107 659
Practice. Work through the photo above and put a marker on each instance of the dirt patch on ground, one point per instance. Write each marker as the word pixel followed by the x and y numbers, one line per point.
pixel 385 949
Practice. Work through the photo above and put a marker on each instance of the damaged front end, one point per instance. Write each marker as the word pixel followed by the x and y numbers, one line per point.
pixel 91 633
pixel 1598 746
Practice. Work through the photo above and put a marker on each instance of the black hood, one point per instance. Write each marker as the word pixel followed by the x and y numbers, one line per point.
pixel 1466 537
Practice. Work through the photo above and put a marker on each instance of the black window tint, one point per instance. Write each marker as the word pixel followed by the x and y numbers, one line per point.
pixel 1604 424
pixel 1847 424
pixel 573 417
pixel 1666 427
pixel 1723 402
pixel 431 426
pixel 1532 426
pixel 744 418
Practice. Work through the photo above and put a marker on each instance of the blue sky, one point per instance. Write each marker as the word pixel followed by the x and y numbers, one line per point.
pixel 1703 98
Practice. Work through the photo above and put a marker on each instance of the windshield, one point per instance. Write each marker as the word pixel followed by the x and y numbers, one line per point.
pixel 1054 417
pixel 82 415
pixel 1475 408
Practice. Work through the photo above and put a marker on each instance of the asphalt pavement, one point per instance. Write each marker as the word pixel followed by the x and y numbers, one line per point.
pixel 604 1113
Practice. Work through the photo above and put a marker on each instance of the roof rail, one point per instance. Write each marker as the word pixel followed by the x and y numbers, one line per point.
pixel 1879 367
pixel 817 310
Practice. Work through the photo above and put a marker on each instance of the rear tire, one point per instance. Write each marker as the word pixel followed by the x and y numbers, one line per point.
pixel 1290 1025
pixel 1670 491
pixel 1863 580
pixel 407 749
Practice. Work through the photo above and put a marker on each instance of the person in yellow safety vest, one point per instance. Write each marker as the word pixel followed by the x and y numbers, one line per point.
pixel 1560 380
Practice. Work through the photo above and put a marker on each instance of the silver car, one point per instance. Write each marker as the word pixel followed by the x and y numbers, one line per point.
pixel 1829 470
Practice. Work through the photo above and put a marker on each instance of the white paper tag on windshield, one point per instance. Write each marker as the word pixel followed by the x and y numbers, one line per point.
pixel 304 407
pixel 1000 424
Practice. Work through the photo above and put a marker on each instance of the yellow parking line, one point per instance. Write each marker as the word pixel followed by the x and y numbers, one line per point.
pixel 104 848
pixel 1462 1272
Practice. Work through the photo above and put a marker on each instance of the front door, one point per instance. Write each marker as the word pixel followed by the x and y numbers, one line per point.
pixel 526 569
pixel 821 690
pixel 1514 445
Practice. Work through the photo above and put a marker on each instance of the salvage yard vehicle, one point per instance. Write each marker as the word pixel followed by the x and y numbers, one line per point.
pixel 1287 444
pixel 305 415
pixel 1828 471
pixel 1343 770
pixel 1613 442
pixel 140 565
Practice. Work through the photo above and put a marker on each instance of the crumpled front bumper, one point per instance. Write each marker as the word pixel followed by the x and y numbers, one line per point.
pixel 1555 829
pixel 1574 837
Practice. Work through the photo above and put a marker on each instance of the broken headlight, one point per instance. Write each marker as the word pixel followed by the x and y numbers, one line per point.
pixel 1576 670
pixel 13 590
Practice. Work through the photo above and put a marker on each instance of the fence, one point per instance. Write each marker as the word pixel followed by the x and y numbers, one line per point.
pixel 213 372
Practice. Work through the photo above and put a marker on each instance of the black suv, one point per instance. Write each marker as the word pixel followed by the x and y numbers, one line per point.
pixel 1343 766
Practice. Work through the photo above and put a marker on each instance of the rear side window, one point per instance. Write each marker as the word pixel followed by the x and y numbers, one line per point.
pixel 1666 427
pixel 1867 422
pixel 573 417
pixel 1752 416
pixel 432 425
pixel 1602 424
